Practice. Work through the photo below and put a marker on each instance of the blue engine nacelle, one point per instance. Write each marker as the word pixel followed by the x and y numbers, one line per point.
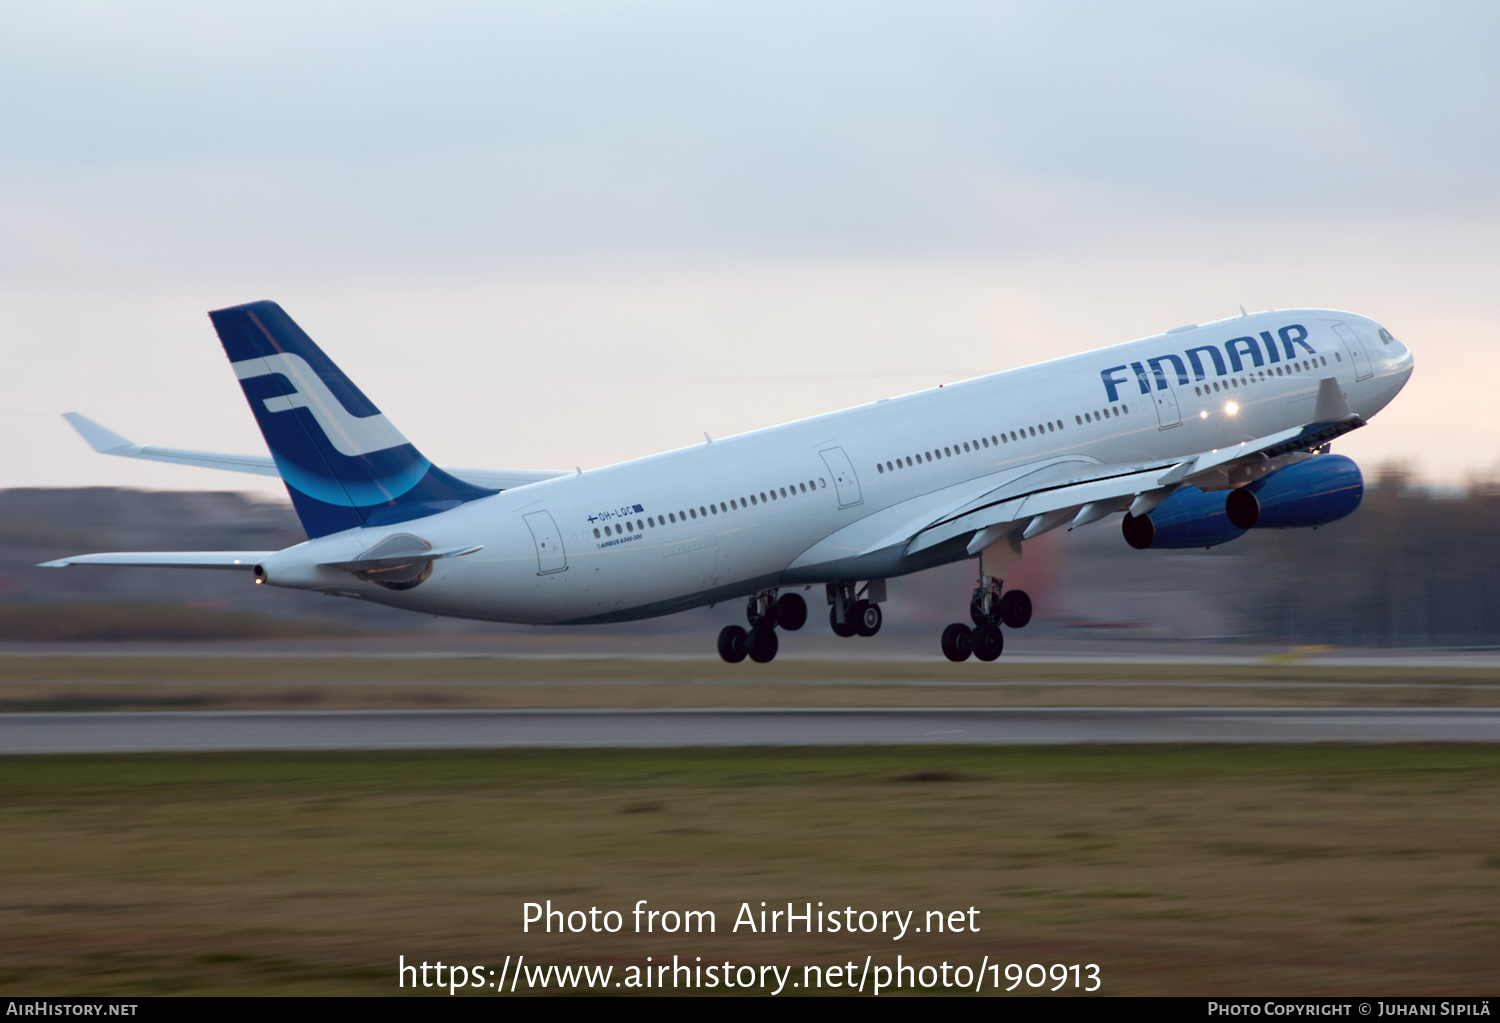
pixel 1189 518
pixel 1312 493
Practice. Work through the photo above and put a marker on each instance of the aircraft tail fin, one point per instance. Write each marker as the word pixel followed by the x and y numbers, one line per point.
pixel 345 465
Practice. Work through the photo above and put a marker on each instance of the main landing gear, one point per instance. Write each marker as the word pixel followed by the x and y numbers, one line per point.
pixel 765 612
pixel 855 612
pixel 988 609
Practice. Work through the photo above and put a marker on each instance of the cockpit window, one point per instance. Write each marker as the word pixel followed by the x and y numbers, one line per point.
pixel 1385 337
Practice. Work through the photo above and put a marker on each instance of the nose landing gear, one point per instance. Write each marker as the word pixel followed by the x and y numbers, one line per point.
pixel 764 613
pixel 988 609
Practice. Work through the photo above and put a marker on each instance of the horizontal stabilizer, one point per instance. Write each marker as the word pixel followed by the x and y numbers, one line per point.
pixel 107 442
pixel 166 559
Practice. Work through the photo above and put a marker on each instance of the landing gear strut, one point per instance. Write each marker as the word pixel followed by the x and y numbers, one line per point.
pixel 988 608
pixel 764 613
pixel 855 612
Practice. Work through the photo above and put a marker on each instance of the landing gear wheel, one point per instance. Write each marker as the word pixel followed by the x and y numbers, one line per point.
pixel 988 641
pixel 732 644
pixel 866 618
pixel 1015 608
pixel 846 629
pixel 791 612
pixel 957 644
pixel 762 644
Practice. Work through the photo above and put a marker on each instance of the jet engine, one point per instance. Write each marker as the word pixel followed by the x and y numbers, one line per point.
pixel 1189 518
pixel 1312 493
pixel 1315 492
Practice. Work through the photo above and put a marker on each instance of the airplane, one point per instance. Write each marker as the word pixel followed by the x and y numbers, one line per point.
pixel 1197 435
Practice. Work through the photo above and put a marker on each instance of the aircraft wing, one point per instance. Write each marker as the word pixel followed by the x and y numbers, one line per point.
pixel 1058 494
pixel 107 442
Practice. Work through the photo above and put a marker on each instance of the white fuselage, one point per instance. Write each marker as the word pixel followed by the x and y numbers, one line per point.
pixel 714 524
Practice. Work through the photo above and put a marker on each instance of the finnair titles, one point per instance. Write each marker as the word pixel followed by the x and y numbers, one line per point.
pixel 1196 436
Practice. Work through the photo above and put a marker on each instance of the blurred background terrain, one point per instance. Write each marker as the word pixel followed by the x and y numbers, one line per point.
pixel 1413 567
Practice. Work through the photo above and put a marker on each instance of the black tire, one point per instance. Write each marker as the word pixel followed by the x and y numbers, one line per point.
pixel 988 641
pixel 732 644
pixel 846 630
pixel 1015 608
pixel 957 645
pixel 762 644
pixel 867 618
pixel 791 611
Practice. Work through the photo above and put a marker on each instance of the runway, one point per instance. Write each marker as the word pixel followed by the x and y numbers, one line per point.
pixel 207 731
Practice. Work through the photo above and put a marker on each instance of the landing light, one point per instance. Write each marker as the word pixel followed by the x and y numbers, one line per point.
pixel 1232 407
pixel 1203 414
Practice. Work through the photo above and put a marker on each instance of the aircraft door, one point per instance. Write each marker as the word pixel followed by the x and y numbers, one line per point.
pixel 1168 412
pixel 1356 349
pixel 844 480
pixel 550 556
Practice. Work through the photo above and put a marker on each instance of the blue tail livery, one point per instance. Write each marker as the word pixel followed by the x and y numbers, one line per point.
pixel 345 464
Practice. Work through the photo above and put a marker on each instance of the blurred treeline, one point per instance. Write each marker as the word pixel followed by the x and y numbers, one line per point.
pixel 1414 566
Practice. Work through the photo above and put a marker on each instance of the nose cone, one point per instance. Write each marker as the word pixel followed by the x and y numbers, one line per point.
pixel 1397 359
pixel 1393 364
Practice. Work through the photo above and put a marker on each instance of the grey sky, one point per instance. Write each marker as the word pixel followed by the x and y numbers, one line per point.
pixel 669 166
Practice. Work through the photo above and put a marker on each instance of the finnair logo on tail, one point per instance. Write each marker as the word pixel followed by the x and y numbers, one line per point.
pixel 349 435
